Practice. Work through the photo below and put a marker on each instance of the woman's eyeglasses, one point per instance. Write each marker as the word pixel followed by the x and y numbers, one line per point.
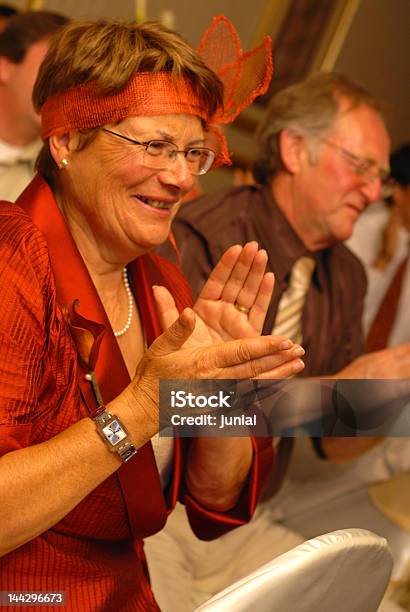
pixel 160 154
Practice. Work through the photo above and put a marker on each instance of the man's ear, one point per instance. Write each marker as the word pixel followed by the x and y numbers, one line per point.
pixel 63 145
pixel 6 69
pixel 291 146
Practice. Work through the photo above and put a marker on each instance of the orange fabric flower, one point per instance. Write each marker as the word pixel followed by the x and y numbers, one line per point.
pixel 86 334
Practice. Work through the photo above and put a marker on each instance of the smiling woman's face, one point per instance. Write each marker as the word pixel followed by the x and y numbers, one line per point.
pixel 116 204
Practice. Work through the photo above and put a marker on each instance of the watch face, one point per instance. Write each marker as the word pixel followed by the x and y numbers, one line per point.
pixel 114 433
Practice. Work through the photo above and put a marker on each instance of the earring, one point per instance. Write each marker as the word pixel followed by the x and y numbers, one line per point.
pixel 64 163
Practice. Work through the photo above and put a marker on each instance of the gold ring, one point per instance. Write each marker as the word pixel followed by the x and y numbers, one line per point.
pixel 242 309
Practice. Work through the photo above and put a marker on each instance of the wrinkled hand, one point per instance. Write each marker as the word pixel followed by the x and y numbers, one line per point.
pixel 239 277
pixel 284 353
pixel 390 363
pixel 168 357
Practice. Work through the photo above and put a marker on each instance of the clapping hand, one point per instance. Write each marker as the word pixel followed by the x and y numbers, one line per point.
pixel 233 305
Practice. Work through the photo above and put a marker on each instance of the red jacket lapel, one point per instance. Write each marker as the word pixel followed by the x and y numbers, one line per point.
pixel 154 270
pixel 139 478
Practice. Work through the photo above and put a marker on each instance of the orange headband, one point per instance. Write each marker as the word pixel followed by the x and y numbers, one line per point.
pixel 147 93
pixel 245 76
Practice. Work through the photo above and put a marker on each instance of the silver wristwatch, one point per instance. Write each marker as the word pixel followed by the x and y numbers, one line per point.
pixel 115 435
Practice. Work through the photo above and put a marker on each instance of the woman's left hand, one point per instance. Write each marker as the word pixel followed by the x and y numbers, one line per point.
pixel 238 278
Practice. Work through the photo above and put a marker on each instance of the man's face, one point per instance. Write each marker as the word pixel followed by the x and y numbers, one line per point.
pixel 329 192
pixel 20 84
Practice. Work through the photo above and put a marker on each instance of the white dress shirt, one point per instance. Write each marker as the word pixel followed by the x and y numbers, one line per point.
pixel 16 168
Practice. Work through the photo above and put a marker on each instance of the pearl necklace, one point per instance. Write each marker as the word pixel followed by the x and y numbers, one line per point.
pixel 126 327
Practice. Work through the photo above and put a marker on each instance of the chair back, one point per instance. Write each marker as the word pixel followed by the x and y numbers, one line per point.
pixel 342 571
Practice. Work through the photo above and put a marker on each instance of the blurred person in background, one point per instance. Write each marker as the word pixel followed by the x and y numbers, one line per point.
pixel 381 240
pixel 323 158
pixel 23 44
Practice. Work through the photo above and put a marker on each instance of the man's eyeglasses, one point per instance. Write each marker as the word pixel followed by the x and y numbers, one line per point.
pixel 366 168
pixel 159 154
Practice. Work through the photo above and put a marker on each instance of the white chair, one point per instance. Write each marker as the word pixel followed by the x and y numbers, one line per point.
pixel 341 571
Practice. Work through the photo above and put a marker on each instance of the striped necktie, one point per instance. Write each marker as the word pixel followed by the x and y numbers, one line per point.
pixel 382 325
pixel 288 320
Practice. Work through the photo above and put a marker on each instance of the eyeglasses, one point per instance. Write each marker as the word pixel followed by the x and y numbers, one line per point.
pixel 366 169
pixel 159 154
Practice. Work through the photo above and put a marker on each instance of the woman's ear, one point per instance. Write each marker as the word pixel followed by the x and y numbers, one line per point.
pixel 290 148
pixel 62 147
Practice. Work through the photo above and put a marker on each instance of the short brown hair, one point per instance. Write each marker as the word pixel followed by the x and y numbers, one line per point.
pixel 308 108
pixel 108 53
pixel 25 29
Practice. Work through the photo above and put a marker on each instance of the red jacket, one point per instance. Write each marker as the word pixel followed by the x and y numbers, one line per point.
pixel 95 553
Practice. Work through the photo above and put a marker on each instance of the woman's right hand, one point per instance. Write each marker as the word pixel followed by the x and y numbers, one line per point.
pixel 246 358
pixel 54 476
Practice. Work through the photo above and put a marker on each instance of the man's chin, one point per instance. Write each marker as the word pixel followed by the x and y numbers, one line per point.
pixel 340 233
pixel 346 228
pixel 344 234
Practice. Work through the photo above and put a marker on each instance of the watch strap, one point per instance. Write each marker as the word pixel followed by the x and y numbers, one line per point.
pixel 127 451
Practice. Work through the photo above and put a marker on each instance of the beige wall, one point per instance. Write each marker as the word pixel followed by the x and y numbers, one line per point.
pixel 376 52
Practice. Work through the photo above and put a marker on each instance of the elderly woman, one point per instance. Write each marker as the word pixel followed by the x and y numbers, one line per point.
pixel 125 112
